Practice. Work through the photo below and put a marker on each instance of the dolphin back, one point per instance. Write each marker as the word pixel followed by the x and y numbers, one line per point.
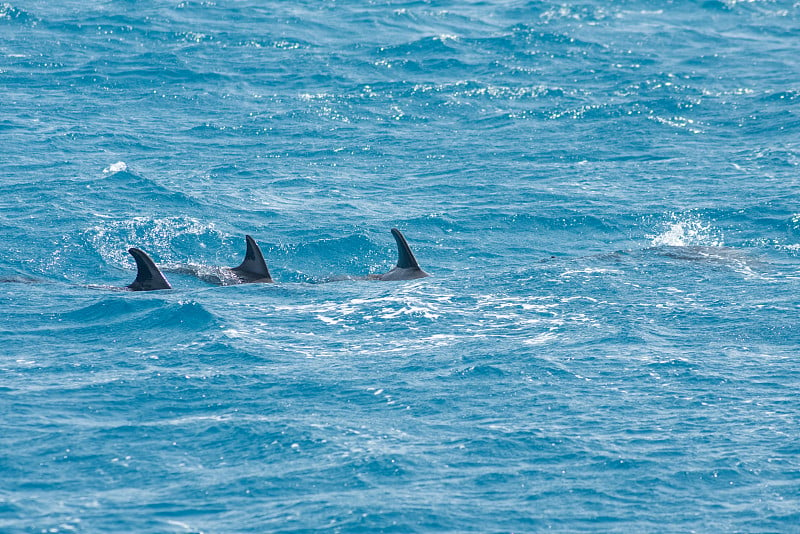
pixel 407 267
pixel 148 276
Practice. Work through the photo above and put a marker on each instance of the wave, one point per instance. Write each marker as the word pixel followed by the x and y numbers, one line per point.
pixel 129 312
pixel 120 186
pixel 159 236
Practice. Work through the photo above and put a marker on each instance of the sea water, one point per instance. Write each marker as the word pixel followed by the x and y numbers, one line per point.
pixel 605 195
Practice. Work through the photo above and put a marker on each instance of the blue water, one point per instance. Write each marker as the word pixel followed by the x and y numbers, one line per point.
pixel 605 195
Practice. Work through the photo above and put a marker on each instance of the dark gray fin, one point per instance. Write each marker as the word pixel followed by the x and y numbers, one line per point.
pixel 148 277
pixel 405 258
pixel 253 268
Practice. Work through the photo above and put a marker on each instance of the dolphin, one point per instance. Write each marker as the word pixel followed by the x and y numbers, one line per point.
pixel 20 279
pixel 407 267
pixel 253 269
pixel 148 277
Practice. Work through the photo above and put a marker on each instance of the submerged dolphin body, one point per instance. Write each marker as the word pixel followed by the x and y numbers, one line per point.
pixel 148 277
pixel 253 270
pixel 407 267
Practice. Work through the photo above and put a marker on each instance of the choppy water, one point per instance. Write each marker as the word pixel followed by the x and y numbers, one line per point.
pixel 606 195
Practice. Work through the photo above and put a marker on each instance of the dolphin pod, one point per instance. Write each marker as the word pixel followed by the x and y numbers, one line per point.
pixel 254 269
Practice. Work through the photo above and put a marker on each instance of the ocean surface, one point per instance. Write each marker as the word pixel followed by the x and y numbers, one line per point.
pixel 606 196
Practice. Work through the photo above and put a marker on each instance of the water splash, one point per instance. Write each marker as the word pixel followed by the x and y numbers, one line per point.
pixel 11 13
pixel 112 238
pixel 687 231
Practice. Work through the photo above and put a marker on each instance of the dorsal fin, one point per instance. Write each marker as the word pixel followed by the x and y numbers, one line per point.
pixel 148 276
pixel 253 267
pixel 405 258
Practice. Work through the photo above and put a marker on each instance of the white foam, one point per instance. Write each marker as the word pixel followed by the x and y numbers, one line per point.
pixel 541 339
pixel 119 166
pixel 688 232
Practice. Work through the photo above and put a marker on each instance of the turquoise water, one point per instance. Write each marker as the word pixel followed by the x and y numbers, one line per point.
pixel 605 195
